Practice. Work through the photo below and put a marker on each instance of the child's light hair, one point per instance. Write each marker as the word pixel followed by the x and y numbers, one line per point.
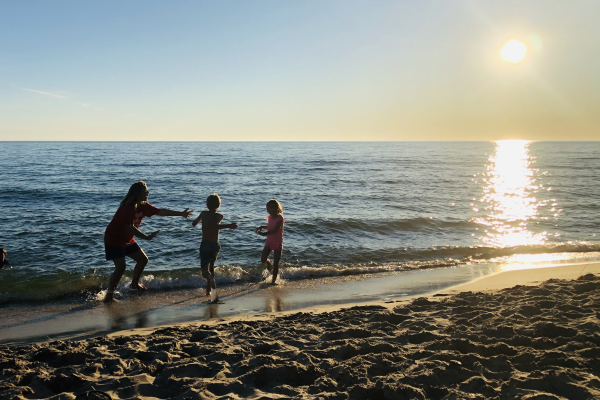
pixel 213 201
pixel 134 191
pixel 276 205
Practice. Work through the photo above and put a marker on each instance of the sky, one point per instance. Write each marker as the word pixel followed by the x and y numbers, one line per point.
pixel 270 70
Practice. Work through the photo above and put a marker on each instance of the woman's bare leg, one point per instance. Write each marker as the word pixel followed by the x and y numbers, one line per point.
pixel 115 278
pixel 141 260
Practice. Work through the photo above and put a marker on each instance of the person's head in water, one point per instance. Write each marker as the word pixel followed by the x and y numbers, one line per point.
pixel 138 194
pixel 213 202
pixel 274 207
pixel 4 254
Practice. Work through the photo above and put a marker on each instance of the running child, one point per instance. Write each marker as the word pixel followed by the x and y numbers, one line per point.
pixel 210 247
pixel 274 234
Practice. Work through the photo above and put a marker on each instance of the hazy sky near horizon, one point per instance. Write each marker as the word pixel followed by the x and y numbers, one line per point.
pixel 303 70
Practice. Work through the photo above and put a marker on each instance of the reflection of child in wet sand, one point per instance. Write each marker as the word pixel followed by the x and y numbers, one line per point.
pixel 274 234
pixel 210 247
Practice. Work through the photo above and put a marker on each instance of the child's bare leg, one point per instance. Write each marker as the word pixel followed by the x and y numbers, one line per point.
pixel 207 275
pixel 210 285
pixel 265 258
pixel 208 272
pixel 211 269
pixel 141 260
pixel 115 278
pixel 276 258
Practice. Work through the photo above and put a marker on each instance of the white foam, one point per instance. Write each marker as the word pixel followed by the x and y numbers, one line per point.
pixel 102 294
pixel 228 274
pixel 168 282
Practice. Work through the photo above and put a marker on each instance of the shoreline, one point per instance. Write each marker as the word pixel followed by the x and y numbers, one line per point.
pixel 489 283
pixel 483 339
pixel 76 321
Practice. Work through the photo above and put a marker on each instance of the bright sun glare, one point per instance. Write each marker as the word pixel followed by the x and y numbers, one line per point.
pixel 511 196
pixel 513 51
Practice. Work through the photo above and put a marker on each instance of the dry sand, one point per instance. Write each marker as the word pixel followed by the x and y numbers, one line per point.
pixel 531 342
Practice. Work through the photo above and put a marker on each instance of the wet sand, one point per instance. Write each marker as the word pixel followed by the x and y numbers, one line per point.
pixel 485 339
pixel 89 318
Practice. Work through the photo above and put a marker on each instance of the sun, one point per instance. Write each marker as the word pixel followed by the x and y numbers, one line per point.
pixel 513 51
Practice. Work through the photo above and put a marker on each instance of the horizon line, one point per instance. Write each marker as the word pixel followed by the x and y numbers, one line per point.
pixel 277 141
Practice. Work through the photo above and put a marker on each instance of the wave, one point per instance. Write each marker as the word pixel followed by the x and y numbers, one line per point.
pixel 22 285
pixel 411 224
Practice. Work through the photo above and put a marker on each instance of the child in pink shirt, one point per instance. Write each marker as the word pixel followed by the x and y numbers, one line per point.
pixel 274 234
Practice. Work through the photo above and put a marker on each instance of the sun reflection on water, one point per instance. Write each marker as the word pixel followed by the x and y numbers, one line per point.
pixel 509 192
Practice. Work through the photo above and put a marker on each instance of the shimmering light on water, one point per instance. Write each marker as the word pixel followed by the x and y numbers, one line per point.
pixel 532 261
pixel 510 196
pixel 537 258
pixel 542 264
pixel 544 260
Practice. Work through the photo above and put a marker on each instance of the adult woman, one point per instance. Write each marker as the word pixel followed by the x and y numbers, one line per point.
pixel 119 238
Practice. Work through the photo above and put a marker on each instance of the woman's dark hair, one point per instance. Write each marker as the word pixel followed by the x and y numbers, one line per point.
pixel 134 192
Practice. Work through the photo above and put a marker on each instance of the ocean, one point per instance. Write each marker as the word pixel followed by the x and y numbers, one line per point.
pixel 351 208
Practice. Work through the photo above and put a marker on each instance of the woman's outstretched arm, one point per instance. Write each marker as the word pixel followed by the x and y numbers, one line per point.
pixel 163 212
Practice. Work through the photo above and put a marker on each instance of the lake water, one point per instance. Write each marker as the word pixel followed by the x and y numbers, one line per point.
pixel 350 208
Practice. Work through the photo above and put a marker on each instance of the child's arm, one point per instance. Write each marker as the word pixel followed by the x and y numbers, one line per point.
pixel 195 222
pixel 273 231
pixel 228 226
pixel 163 212
pixel 260 228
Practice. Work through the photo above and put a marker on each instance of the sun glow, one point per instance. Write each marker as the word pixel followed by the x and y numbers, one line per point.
pixel 509 193
pixel 513 51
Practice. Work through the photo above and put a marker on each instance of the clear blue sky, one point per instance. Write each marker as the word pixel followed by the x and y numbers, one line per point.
pixel 304 70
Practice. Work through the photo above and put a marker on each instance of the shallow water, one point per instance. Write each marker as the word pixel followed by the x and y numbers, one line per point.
pixel 70 319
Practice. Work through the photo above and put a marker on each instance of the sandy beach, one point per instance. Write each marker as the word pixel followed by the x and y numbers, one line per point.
pixel 486 339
